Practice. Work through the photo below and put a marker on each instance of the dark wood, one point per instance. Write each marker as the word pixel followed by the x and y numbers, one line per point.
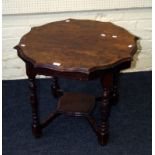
pixel 93 123
pixel 81 46
pixel 49 119
pixel 76 104
pixel 81 50
pixel 115 93
pixel 106 82
pixel 36 129
pixel 56 91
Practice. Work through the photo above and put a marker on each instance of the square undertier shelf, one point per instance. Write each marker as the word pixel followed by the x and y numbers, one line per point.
pixel 77 104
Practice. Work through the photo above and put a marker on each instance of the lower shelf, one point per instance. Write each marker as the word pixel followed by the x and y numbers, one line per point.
pixel 76 103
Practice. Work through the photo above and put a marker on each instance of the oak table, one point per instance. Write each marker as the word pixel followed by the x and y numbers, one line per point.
pixel 81 50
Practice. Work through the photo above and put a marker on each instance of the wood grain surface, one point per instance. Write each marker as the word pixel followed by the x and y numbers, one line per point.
pixel 77 46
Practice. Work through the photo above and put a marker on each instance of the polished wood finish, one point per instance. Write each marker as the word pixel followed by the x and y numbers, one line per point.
pixel 81 46
pixel 36 130
pixel 76 104
pixel 81 50
pixel 106 82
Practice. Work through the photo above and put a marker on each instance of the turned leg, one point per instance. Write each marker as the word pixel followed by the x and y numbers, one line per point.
pixel 36 129
pixel 115 92
pixel 56 91
pixel 103 134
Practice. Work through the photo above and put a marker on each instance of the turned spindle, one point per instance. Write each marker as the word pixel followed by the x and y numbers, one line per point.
pixel 36 130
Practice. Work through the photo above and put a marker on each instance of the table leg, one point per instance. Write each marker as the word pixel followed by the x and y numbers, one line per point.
pixel 36 129
pixel 115 92
pixel 56 91
pixel 103 135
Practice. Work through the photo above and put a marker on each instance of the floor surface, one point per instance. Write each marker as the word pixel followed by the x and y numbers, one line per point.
pixel 130 120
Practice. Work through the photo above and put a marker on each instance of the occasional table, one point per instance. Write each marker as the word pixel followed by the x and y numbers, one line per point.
pixel 80 50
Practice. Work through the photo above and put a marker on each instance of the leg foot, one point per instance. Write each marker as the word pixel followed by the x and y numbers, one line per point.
pixel 36 131
pixel 103 139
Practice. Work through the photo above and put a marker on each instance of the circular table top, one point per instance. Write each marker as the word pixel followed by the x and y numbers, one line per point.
pixel 77 46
